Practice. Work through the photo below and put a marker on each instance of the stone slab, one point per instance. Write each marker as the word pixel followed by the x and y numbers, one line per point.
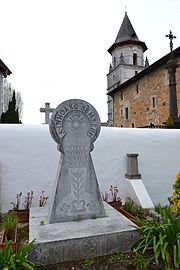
pixel 74 240
pixel 136 190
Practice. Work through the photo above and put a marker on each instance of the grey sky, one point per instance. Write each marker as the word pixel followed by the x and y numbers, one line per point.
pixel 57 49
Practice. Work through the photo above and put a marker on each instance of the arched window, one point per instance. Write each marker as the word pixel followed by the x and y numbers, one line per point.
pixel 114 62
pixel 134 58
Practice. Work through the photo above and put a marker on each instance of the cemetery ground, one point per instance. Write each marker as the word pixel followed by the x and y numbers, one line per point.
pixel 117 261
pixel 159 236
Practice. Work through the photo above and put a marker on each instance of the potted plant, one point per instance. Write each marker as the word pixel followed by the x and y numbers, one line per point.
pixel 28 200
pixel 115 200
pixel 105 196
pixel 22 214
pixel 9 224
pixel 27 204
pixel 16 205
pixel 42 199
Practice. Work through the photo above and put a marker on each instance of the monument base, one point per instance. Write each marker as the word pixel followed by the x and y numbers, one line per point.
pixel 75 240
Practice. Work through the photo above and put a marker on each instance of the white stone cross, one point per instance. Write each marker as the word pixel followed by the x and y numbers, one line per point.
pixel 47 110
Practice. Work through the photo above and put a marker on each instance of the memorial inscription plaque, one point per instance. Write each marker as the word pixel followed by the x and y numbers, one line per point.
pixel 75 125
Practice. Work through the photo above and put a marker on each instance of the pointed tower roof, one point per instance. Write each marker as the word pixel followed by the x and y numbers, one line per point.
pixel 4 69
pixel 127 35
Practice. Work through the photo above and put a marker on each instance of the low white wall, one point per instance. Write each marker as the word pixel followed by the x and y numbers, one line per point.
pixel 29 160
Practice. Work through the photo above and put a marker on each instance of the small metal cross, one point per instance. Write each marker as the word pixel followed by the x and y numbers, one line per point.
pixel 171 37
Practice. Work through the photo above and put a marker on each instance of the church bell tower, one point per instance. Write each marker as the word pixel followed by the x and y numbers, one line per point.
pixel 127 60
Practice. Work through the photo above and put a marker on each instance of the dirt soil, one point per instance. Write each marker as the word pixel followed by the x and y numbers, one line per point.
pixel 102 263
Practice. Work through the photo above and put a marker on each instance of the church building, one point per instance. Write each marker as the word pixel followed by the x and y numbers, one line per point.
pixel 138 93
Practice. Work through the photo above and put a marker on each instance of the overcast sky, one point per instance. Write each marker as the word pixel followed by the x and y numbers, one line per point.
pixel 57 49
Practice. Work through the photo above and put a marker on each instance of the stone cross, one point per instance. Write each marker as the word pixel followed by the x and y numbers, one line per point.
pixel 171 66
pixel 47 110
pixel 75 125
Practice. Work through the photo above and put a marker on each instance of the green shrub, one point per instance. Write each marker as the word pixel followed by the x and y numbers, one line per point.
pixel 88 262
pixel 130 207
pixel 175 198
pixel 16 259
pixel 116 257
pixel 9 223
pixel 140 262
pixel 93 216
pixel 163 237
pixel 169 122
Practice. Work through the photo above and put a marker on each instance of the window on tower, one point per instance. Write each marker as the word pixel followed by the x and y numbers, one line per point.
pixel 114 62
pixel 137 89
pixel 127 113
pixel 134 58
pixel 153 102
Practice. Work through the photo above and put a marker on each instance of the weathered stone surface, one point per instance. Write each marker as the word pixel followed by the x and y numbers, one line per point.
pixel 74 240
pixel 132 167
pixel 75 125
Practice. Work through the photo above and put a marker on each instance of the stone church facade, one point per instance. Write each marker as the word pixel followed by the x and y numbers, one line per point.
pixel 138 94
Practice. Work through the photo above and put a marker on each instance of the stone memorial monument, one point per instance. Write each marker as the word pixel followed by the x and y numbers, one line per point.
pixel 75 125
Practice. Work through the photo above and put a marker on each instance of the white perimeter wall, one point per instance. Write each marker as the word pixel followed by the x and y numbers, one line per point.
pixel 29 160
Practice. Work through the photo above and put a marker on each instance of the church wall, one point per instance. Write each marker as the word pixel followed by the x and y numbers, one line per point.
pixel 138 98
pixel 178 85
pixel 110 111
pixel 113 78
pixel 129 71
